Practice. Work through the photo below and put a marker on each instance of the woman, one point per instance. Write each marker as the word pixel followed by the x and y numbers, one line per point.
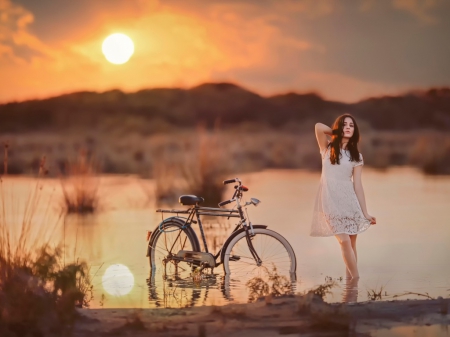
pixel 340 208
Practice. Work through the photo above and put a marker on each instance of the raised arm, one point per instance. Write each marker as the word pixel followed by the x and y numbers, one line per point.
pixel 321 134
pixel 359 191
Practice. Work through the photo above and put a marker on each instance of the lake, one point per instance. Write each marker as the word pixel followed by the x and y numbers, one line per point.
pixel 406 255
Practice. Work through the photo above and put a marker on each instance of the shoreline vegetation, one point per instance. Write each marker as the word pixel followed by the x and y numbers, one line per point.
pixel 39 291
pixel 132 133
pixel 233 150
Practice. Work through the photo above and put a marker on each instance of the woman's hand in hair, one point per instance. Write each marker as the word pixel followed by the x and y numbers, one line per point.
pixel 322 131
pixel 319 127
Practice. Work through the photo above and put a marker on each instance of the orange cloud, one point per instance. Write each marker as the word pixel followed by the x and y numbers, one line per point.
pixel 268 46
pixel 172 48
pixel 6 51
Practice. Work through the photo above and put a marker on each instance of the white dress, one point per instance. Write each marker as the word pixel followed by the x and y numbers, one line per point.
pixel 337 209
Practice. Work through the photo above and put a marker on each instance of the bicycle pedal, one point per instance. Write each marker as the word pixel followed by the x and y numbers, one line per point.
pixel 235 258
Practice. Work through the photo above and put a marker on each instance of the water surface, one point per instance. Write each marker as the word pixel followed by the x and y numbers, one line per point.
pixel 406 252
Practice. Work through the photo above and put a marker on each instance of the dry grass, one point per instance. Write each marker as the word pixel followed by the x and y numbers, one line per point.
pixel 198 168
pixel 431 153
pixel 80 185
pixel 5 160
pixel 167 180
pixel 205 169
pixel 324 289
pixel 38 293
pixel 242 150
pixel 426 295
pixel 315 295
pixel 376 294
pixel 272 285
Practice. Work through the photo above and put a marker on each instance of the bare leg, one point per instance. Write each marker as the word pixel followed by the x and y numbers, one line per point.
pixel 348 254
pixel 353 241
pixel 348 276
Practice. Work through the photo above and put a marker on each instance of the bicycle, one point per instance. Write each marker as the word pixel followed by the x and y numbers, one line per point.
pixel 249 247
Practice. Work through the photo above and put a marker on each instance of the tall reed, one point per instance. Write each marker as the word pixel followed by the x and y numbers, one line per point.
pixel 80 185
pixel 198 169
pixel 38 293
pixel 205 167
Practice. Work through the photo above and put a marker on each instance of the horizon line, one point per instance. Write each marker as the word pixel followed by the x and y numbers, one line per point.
pixel 405 92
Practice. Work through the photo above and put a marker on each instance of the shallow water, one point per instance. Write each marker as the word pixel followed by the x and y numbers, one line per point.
pixel 408 250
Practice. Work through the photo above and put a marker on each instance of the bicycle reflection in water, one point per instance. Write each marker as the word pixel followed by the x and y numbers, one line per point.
pixel 182 290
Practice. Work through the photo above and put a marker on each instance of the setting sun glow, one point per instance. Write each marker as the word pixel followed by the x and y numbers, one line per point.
pixel 118 48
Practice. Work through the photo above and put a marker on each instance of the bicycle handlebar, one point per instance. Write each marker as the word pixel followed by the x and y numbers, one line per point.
pixel 229 181
pixel 237 193
pixel 226 202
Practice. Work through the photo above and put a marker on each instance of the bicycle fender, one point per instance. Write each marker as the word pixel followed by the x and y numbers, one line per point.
pixel 222 253
pixel 179 220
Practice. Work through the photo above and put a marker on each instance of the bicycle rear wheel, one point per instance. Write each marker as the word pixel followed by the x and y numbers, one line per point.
pixel 278 257
pixel 168 240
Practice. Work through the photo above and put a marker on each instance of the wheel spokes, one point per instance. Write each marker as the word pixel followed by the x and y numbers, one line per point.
pixel 272 253
pixel 168 243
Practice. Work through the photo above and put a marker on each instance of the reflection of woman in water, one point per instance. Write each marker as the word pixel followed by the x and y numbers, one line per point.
pixel 340 208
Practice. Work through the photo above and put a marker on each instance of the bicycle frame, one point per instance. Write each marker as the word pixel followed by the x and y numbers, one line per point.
pixel 199 211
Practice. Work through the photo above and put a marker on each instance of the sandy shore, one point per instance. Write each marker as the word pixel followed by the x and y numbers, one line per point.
pixel 304 315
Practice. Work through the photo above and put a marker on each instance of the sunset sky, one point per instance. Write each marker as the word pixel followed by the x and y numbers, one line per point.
pixel 345 50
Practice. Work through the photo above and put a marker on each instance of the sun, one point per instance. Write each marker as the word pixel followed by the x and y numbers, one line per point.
pixel 118 48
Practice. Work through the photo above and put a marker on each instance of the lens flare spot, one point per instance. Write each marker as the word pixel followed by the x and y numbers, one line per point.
pixel 118 280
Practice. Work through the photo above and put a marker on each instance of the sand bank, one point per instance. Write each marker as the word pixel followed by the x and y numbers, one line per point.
pixel 304 315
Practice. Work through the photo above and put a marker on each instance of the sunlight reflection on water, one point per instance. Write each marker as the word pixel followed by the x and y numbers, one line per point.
pixel 117 280
pixel 407 251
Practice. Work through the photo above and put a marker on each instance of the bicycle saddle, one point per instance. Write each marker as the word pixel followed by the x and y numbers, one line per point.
pixel 190 200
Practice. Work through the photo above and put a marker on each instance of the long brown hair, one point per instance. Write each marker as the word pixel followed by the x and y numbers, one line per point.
pixel 336 139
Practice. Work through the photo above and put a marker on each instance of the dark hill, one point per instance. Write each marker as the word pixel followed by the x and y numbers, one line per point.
pixel 428 109
pixel 226 102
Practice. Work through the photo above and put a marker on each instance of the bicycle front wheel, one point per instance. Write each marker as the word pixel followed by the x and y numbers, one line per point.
pixel 170 238
pixel 277 256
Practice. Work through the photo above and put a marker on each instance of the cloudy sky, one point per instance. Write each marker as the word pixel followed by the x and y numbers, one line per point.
pixel 345 50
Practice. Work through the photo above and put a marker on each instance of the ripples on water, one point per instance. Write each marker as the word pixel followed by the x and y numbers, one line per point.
pixel 177 291
pixel 407 252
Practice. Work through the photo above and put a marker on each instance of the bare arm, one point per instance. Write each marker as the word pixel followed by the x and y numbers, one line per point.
pixel 357 185
pixel 321 134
